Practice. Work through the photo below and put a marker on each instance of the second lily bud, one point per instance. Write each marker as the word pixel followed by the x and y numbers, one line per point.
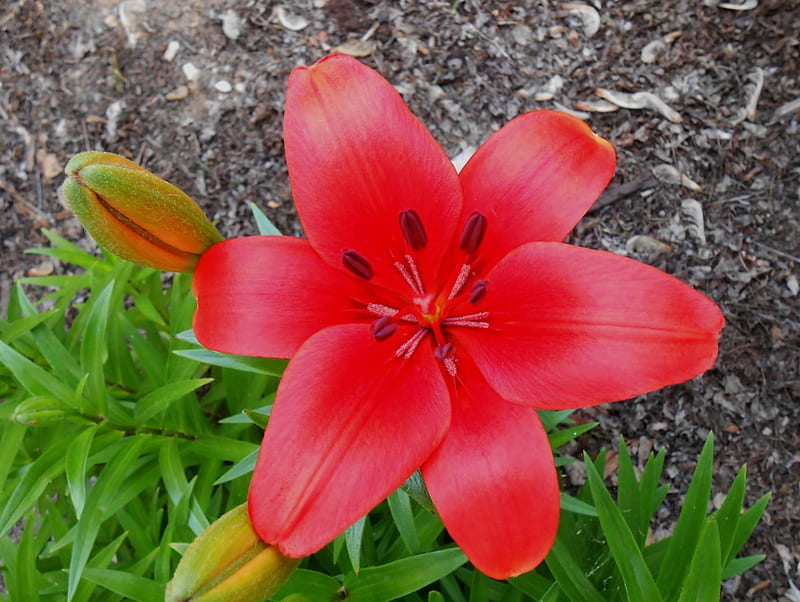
pixel 136 215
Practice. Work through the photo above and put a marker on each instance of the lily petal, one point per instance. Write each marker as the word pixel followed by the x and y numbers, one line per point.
pixel 534 179
pixel 493 480
pixel 350 423
pixel 357 158
pixel 572 327
pixel 265 295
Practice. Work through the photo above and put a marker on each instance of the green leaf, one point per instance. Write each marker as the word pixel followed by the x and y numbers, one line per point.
pixel 27 575
pixel 740 565
pixel 265 226
pixel 75 468
pixel 705 572
pixel 98 504
pixel 628 494
pixel 533 584
pixel 674 568
pixel 34 379
pixel 569 574
pixel 576 506
pixel 23 326
pixel 317 586
pixel 728 515
pixel 636 575
pixel 563 436
pixel 222 448
pixel 125 584
pixel 353 536
pixel 10 443
pixel 94 348
pixel 259 365
pixel 747 522
pixel 401 577
pixel 403 516
pixel 159 400
pixel 244 466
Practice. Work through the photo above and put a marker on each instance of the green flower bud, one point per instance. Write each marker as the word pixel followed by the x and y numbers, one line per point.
pixel 39 410
pixel 229 563
pixel 136 215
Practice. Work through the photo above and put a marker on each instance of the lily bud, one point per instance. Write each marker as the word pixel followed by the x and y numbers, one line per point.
pixel 41 409
pixel 136 215
pixel 228 562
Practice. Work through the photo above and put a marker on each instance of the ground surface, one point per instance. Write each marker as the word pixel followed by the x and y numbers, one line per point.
pixel 78 75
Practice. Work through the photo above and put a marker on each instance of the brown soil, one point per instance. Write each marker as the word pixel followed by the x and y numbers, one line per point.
pixel 78 75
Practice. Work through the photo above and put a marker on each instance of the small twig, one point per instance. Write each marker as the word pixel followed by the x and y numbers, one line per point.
pixel 615 193
pixel 761 245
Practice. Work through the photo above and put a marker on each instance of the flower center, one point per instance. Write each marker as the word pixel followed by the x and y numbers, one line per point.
pixel 434 313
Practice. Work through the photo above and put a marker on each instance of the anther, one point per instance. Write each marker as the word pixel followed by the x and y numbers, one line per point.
pixel 357 263
pixel 478 291
pixel 383 328
pixel 413 230
pixel 472 234
pixel 444 352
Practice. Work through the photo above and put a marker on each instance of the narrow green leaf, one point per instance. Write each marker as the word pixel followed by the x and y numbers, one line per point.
pixel 259 365
pixel 263 223
pixel 33 378
pixel 159 400
pixel 35 479
pixel 75 468
pixel 222 448
pixel 728 514
pixel 130 586
pixel 317 586
pixel 244 466
pixel 532 584
pixel 636 575
pixel 747 522
pixel 10 443
pixel 28 577
pixel 94 348
pixel 435 597
pixel 98 503
pixel 401 577
pixel 576 506
pixel 353 536
pixel 704 580
pixel 674 568
pixel 23 326
pixel 480 588
pixel 564 436
pixel 403 516
pixel 740 565
pixel 569 574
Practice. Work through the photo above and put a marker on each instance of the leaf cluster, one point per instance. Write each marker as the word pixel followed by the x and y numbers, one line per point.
pixel 121 439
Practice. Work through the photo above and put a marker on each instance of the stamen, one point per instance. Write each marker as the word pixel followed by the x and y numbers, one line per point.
pixel 413 230
pixel 472 234
pixel 407 349
pixel 357 263
pixel 478 291
pixel 412 265
pixel 383 328
pixel 476 320
pixel 461 281
pixel 411 278
pixel 379 309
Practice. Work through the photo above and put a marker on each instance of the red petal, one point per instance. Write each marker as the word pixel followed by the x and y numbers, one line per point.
pixel 493 480
pixel 265 295
pixel 351 422
pixel 572 327
pixel 534 179
pixel 357 158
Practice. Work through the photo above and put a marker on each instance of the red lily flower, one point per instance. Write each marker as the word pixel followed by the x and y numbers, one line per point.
pixel 428 315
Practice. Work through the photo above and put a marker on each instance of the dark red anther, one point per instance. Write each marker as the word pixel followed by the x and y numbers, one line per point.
pixel 478 291
pixel 357 263
pixel 444 352
pixel 413 230
pixel 383 328
pixel 472 234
